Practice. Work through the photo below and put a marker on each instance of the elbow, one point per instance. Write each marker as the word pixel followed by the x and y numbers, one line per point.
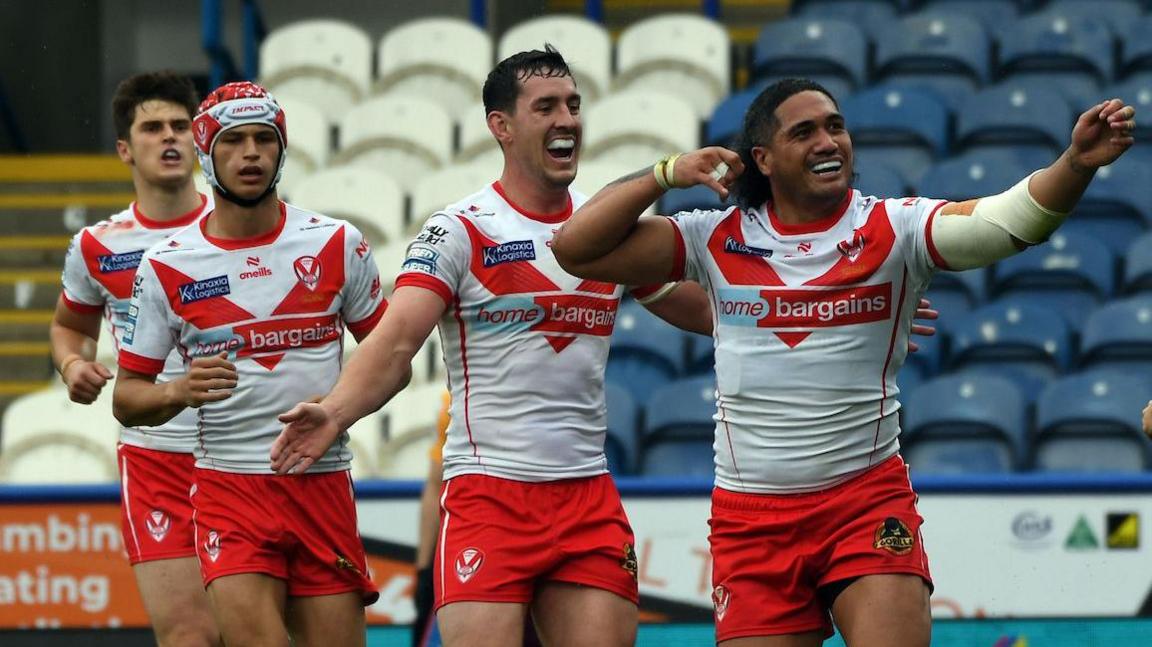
pixel 124 415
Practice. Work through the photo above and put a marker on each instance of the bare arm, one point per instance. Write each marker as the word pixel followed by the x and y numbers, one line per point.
pixel 138 401
pixel 74 336
pixel 687 307
pixel 607 240
pixel 1100 136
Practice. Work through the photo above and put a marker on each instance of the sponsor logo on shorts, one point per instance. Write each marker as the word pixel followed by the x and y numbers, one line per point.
pixel 629 563
pixel 789 308
pixel 217 286
pixel 119 262
pixel 158 524
pixel 345 564
pixel 468 562
pixel 307 270
pixel 893 536
pixel 733 246
pixel 510 252
pixel 212 546
pixel 721 598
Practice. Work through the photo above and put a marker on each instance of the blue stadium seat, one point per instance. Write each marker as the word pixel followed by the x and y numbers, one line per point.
pixel 1116 14
pixel 908 126
pixel 929 44
pixel 692 459
pixel 910 377
pixel 1117 207
pixel 646 352
pixel 972 284
pixel 727 118
pixel 697 197
pixel 701 357
pixel 930 357
pixel 960 424
pixel 990 13
pixel 1119 334
pixel 1051 41
pixel 678 428
pixel 880 180
pixel 838 86
pixel 1016 115
pixel 1136 47
pixel 1090 422
pixel 621 446
pixel 1136 90
pixel 1138 265
pixel 807 47
pixel 1080 91
pixel 1031 338
pixel 873 16
pixel 971 176
pixel 1071 273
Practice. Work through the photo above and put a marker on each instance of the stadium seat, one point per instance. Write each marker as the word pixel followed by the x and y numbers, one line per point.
pixel 646 351
pixel 807 47
pixel 310 142
pixel 1136 91
pixel 326 61
pixel 637 128
pixel 1136 49
pixel 404 137
pixel 907 127
pixel 873 16
pixel 962 424
pixel 597 174
pixel 1119 334
pixel 444 60
pixel 970 176
pixel 972 284
pixel 1138 265
pixel 622 444
pixel 1116 14
pixel 687 55
pixel 47 438
pixel 679 459
pixel 1015 115
pixel 368 199
pixel 678 428
pixel 446 186
pixel 585 45
pixel 1031 338
pixel 1090 422
pixel 1055 42
pixel 476 143
pixel 1117 206
pixel 935 45
pixel 727 119
pixel 990 13
pixel 701 360
pixel 836 85
pixel 930 357
pixel 1070 273
pixel 389 258
pixel 875 178
pixel 697 197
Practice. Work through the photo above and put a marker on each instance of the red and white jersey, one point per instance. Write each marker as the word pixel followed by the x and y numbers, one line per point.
pixel 98 272
pixel 525 343
pixel 812 325
pixel 276 304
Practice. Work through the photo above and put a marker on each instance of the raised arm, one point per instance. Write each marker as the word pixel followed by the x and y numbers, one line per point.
pixel 979 232
pixel 607 240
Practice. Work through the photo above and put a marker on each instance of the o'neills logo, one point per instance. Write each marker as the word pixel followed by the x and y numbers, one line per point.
pixel 119 262
pixel 516 250
pixel 806 308
pixel 285 334
pixel 733 246
pixel 216 286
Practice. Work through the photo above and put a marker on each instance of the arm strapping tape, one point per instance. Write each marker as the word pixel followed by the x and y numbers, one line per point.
pixel 664 291
pixel 986 236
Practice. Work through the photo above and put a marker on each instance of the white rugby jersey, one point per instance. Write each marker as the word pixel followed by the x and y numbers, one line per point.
pixel 812 325
pixel 98 271
pixel 525 343
pixel 276 304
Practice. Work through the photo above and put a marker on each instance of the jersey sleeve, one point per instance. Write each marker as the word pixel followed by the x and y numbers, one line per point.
pixel 363 301
pixel 80 290
pixel 912 220
pixel 148 334
pixel 692 229
pixel 438 258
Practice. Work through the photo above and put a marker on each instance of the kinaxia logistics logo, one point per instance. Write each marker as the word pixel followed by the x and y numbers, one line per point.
pixel 788 308
pixel 217 286
pixel 119 262
pixel 512 251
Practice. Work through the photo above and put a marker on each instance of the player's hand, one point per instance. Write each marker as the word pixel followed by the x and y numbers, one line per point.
pixel 1148 418
pixel 309 430
pixel 704 166
pixel 923 311
pixel 209 379
pixel 1102 134
pixel 85 380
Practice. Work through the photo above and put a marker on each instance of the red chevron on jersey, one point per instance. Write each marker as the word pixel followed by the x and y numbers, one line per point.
pixel 203 313
pixel 516 277
pixel 739 269
pixel 113 271
pixel 864 253
pixel 266 341
pixel 319 279
pixel 596 287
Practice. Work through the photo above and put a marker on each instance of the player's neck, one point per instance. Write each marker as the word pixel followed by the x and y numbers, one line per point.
pixel 230 221
pixel 802 211
pixel 162 203
pixel 530 194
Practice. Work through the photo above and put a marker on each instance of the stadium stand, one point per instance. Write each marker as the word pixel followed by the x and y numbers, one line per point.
pixel 449 73
pixel 327 61
pixel 686 52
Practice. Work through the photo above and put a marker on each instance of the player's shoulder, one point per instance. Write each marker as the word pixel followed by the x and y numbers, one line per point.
pixel 906 206
pixel 484 203
pixel 117 223
pixel 705 218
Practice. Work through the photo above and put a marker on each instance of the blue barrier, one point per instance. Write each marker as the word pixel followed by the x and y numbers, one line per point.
pixel 224 66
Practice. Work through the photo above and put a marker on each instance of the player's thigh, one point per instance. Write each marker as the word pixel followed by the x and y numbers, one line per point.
pixel 807 639
pixel 177 606
pixel 887 609
pixel 572 615
pixel 322 620
pixel 482 624
pixel 249 609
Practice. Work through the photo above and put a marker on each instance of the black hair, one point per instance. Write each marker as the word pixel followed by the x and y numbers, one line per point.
pixel 752 188
pixel 502 86
pixel 135 90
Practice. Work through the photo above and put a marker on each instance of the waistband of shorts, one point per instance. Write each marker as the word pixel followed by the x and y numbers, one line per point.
pixel 129 448
pixel 730 500
pixel 557 483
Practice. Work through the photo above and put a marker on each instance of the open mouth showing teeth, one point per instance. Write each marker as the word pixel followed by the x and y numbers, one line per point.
pixel 825 168
pixel 170 156
pixel 561 149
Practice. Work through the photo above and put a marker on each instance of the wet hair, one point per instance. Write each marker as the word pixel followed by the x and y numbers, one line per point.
pixel 136 90
pixel 502 86
pixel 752 188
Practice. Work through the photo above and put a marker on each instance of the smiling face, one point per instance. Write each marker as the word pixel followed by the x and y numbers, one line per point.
pixel 542 134
pixel 159 144
pixel 809 156
pixel 245 159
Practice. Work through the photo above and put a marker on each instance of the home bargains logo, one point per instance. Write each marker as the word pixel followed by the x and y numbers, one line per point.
pixel 516 250
pixel 280 335
pixel 119 262
pixel 217 286
pixel 791 308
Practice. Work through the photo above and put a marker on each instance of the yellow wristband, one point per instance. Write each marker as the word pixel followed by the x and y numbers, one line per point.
pixel 72 359
pixel 670 170
pixel 658 172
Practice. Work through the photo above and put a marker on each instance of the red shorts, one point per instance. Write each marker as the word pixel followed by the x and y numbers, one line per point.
pixel 155 509
pixel 300 529
pixel 772 554
pixel 499 538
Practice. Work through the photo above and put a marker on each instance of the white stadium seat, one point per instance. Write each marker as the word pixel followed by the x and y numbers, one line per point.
pixel 682 53
pixel 584 44
pixel 443 59
pixel 47 438
pixel 595 175
pixel 309 142
pixel 449 185
pixel 328 61
pixel 638 128
pixel 368 199
pixel 389 258
pixel 476 142
pixel 405 137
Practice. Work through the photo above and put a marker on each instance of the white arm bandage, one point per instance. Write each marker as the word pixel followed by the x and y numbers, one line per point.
pixel 986 236
pixel 658 295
